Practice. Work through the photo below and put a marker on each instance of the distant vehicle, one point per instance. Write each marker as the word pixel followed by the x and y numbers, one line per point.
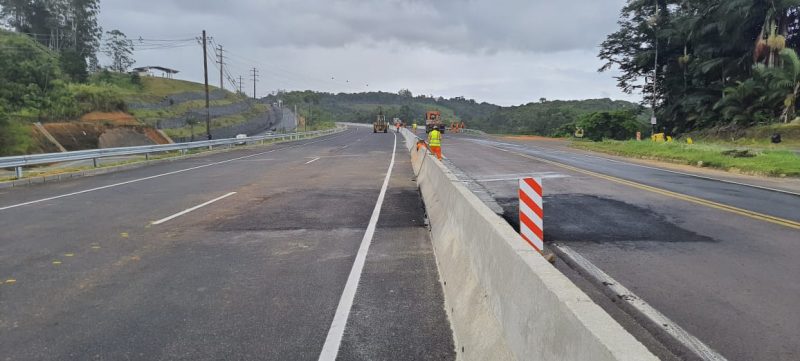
pixel 380 124
pixel 433 119
pixel 242 138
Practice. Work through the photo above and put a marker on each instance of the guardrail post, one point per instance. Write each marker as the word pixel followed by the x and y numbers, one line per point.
pixel 147 156
pixel 94 162
pixel 18 171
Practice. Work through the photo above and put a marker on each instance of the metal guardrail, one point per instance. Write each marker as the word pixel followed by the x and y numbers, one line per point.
pixel 19 162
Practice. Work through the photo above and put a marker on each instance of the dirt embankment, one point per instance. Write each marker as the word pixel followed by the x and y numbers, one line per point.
pixel 102 130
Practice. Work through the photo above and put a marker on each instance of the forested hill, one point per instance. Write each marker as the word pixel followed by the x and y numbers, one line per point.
pixel 549 117
pixel 543 117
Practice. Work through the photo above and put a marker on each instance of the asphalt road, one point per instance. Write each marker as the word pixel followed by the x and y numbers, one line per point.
pixel 730 277
pixel 113 267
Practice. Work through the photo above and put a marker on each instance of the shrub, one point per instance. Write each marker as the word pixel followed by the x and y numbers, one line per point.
pixel 617 125
pixel 73 64
pixel 97 98
pixel 15 137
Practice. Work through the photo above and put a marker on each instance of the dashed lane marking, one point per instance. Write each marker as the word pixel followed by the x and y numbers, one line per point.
pixel 176 215
pixel 162 174
pixel 313 160
pixel 723 207
pixel 573 156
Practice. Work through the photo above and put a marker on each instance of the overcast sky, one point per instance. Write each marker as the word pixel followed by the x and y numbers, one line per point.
pixel 507 52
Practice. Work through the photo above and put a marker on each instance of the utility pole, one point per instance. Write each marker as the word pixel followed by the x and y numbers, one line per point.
pixel 240 84
pixel 205 71
pixel 221 63
pixel 653 119
pixel 255 80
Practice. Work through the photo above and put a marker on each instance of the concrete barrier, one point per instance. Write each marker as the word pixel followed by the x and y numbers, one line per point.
pixel 504 300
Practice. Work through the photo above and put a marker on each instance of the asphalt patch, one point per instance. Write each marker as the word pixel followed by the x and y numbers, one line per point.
pixel 312 209
pixel 589 218
pixel 402 207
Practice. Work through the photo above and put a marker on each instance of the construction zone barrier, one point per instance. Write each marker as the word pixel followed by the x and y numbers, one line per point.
pixel 531 212
pixel 505 301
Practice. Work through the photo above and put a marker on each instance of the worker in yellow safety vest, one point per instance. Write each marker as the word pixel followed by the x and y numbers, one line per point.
pixel 435 142
pixel 414 126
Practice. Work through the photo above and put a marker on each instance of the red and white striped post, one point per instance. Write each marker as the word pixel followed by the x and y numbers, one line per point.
pixel 531 212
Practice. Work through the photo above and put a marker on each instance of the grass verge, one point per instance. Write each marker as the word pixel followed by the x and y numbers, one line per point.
pixel 781 163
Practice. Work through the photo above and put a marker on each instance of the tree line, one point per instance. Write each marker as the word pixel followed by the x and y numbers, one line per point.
pixel 69 28
pixel 709 63
pixel 48 67
pixel 548 118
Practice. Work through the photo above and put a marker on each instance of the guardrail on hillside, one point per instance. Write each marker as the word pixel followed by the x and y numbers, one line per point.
pixel 19 162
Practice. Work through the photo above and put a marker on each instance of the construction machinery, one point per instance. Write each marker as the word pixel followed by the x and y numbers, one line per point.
pixel 380 124
pixel 433 119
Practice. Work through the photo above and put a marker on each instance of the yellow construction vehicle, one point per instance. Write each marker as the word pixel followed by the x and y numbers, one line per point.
pixel 380 124
pixel 433 119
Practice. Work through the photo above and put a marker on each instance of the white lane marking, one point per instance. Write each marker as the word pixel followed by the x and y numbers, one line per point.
pixel 334 339
pixel 176 215
pixel 158 175
pixel 313 160
pixel 517 178
pixel 547 150
pixel 513 177
pixel 339 156
pixel 685 338
pixel 257 160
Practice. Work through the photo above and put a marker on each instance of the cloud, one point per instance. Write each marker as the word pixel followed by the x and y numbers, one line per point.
pixel 449 25
pixel 503 51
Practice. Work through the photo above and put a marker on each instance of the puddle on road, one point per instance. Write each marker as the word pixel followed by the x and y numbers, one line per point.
pixel 588 218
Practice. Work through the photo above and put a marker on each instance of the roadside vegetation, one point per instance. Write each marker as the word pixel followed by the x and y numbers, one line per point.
pixel 770 162
pixel 43 85
pixel 727 75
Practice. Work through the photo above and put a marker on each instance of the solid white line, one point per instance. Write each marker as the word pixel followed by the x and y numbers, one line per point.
pixel 338 156
pixel 657 318
pixel 158 175
pixel 257 160
pixel 313 160
pixel 176 215
pixel 334 340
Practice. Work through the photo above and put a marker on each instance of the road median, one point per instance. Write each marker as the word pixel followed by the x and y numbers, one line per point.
pixel 504 300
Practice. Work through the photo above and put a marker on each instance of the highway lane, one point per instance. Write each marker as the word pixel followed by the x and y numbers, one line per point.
pixel 728 279
pixel 256 273
pixel 769 202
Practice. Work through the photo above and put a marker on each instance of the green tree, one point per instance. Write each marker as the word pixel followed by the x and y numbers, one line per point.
pixel 618 125
pixel 73 64
pixel 120 49
pixel 15 138
pixel 29 73
pixel 702 49
pixel 58 24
